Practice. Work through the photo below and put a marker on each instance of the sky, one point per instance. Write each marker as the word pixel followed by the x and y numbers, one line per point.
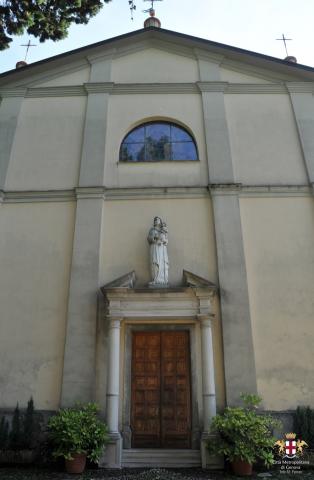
pixel 250 24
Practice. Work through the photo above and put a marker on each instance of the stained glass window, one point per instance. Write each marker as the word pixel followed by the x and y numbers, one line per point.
pixel 157 142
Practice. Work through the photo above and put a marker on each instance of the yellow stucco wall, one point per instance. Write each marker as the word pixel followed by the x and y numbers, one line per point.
pixel 240 77
pixel 47 146
pixel 74 78
pixel 278 240
pixel 154 65
pixel 264 140
pixel 35 258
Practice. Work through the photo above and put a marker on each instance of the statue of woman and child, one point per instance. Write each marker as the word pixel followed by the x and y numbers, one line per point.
pixel 159 262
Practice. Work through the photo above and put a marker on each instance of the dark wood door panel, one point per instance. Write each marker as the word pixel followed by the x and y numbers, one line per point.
pixel 175 390
pixel 160 411
pixel 145 412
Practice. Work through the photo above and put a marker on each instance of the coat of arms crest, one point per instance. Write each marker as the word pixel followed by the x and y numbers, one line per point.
pixel 290 447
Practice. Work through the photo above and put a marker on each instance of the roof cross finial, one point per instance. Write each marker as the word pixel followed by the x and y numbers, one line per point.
pixel 28 45
pixel 284 40
pixel 152 2
pixel 151 10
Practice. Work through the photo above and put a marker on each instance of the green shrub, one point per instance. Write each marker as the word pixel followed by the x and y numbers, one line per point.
pixel 78 430
pixel 241 433
pixel 303 424
pixel 22 433
pixel 15 436
pixel 28 426
pixel 4 433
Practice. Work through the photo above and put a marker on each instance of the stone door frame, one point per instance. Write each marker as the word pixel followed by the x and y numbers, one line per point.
pixel 175 307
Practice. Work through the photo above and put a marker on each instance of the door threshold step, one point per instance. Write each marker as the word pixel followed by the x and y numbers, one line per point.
pixel 147 457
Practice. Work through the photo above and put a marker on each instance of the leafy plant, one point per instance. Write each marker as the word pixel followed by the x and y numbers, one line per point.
pixel 303 424
pixel 242 433
pixel 28 425
pixel 4 433
pixel 15 436
pixel 78 430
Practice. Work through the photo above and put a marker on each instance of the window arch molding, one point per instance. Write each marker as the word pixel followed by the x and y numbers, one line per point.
pixel 158 140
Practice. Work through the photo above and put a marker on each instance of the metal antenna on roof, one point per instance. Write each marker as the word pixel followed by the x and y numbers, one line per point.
pixel 284 40
pixel 28 45
pixel 132 7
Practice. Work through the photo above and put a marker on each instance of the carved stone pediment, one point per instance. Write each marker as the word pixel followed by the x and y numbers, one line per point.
pixel 126 281
pixel 190 299
pixel 192 280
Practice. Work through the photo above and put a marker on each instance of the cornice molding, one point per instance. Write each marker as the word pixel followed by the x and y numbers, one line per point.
pixel 13 92
pixel 99 87
pixel 47 75
pixel 155 43
pixel 208 57
pixel 251 70
pixel 98 57
pixel 159 88
pixel 154 88
pixel 89 192
pixel 212 86
pixel 261 190
pixel 155 193
pixel 111 194
pixel 38 196
pixel 300 87
pixel 259 88
pixel 66 91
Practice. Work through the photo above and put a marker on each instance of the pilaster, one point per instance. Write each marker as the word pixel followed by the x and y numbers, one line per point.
pixel 9 112
pixel 302 101
pixel 216 133
pixel 80 346
pixel 239 358
pixel 79 358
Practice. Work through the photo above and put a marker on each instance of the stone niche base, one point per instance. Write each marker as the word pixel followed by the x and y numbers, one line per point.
pixel 112 457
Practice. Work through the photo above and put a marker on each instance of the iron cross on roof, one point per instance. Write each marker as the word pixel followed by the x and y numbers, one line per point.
pixel 152 2
pixel 28 45
pixel 284 40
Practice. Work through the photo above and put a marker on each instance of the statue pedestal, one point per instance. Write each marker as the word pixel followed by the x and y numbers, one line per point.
pixel 158 285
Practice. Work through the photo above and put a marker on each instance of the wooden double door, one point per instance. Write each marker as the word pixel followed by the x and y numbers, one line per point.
pixel 161 391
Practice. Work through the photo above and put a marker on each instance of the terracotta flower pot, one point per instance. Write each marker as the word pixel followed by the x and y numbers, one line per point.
pixel 241 467
pixel 77 465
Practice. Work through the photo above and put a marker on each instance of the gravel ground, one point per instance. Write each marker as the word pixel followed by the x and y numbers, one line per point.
pixel 134 474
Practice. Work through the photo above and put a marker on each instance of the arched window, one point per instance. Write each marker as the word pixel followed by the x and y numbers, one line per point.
pixel 158 142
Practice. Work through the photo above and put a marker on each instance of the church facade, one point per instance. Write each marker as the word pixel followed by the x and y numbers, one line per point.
pixel 217 143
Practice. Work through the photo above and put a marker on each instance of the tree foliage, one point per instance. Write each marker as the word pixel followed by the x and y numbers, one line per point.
pixel 4 433
pixel 15 437
pixel 45 19
pixel 28 425
pixel 303 424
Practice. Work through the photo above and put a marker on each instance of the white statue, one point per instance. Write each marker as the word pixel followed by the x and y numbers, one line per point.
pixel 159 263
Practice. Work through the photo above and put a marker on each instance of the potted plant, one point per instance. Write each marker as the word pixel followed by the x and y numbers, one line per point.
pixel 243 436
pixel 77 433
